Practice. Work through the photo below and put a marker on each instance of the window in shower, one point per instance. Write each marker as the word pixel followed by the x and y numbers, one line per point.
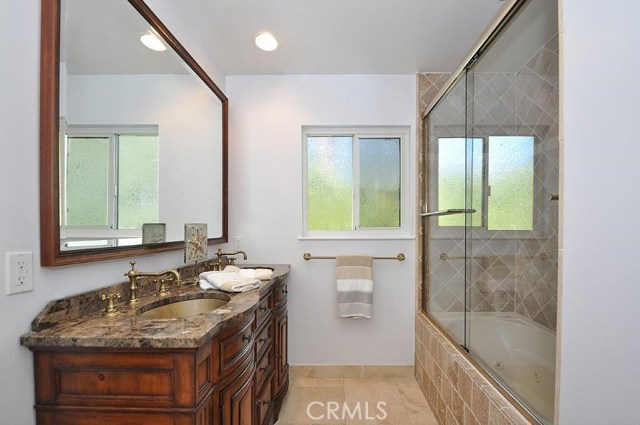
pixel 501 172
pixel 354 182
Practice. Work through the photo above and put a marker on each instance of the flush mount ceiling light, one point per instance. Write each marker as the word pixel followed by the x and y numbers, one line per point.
pixel 266 41
pixel 151 39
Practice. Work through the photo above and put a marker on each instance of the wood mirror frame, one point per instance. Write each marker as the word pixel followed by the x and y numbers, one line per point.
pixel 51 254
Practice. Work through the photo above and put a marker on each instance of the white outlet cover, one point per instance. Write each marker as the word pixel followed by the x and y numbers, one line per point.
pixel 19 272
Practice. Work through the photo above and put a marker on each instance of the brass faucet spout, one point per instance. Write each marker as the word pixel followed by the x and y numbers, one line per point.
pixel 134 275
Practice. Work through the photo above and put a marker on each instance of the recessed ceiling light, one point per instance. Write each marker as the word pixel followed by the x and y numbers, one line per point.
pixel 266 41
pixel 152 41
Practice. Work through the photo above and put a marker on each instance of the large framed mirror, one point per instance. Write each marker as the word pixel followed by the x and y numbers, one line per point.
pixel 133 136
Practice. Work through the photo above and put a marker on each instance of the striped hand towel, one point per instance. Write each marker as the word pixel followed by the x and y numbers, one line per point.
pixel 355 285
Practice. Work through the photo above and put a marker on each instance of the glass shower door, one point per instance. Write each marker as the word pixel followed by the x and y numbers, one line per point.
pixel 511 285
pixel 450 170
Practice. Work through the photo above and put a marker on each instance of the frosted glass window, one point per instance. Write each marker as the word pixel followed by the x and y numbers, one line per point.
pixel 380 195
pixel 353 181
pixel 329 183
pixel 87 181
pixel 511 182
pixel 137 181
pixel 452 174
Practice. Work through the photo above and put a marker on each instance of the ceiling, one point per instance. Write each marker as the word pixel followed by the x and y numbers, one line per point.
pixel 346 36
pixel 100 37
pixel 315 36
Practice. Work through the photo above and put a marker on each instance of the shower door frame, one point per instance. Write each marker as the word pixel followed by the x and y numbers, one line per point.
pixel 508 11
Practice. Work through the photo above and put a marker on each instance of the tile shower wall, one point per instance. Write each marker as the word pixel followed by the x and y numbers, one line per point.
pixel 537 113
pixel 508 274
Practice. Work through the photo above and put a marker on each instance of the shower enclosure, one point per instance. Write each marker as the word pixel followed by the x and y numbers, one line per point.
pixel 490 243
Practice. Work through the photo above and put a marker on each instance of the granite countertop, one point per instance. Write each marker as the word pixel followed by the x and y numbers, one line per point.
pixel 79 320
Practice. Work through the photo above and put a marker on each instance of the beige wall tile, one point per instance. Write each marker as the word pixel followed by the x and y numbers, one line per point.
pixel 480 404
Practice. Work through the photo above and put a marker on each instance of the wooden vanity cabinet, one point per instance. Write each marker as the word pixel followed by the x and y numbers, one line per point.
pixel 280 381
pixel 239 377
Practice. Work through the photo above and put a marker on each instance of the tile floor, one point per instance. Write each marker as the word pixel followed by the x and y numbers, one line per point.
pixel 404 402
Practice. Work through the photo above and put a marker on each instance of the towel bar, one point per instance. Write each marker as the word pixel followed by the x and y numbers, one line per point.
pixel 307 256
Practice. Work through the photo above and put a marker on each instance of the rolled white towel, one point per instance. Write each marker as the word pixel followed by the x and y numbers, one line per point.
pixel 262 274
pixel 227 281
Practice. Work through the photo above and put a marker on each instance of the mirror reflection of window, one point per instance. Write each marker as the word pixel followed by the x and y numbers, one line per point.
pixel 110 182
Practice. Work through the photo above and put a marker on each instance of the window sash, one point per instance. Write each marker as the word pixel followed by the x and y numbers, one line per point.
pixel 95 131
pixel 482 229
pixel 358 232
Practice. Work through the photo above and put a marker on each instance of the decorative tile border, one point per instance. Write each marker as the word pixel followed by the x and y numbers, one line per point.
pixel 456 391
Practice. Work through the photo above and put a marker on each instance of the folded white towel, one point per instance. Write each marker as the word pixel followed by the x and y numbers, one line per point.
pixel 262 274
pixel 227 281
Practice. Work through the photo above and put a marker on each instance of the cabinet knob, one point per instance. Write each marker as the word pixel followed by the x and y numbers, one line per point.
pixel 260 403
pixel 263 308
pixel 285 291
pixel 246 337
pixel 263 340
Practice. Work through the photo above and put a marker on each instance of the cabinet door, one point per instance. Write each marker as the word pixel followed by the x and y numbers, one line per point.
pixel 281 357
pixel 236 399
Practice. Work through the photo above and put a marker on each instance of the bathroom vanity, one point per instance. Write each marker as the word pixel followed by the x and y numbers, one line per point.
pixel 225 367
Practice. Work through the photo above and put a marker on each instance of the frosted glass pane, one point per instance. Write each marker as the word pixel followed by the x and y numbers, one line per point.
pixel 511 182
pixel 87 175
pixel 137 181
pixel 451 179
pixel 329 183
pixel 380 182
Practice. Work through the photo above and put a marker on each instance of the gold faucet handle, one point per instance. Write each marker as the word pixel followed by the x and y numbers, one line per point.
pixel 111 308
pixel 163 291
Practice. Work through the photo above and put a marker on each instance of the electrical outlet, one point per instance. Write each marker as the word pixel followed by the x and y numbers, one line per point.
pixel 237 243
pixel 19 272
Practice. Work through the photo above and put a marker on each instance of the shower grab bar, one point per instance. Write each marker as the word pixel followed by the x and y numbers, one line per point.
pixel 451 211
pixel 307 256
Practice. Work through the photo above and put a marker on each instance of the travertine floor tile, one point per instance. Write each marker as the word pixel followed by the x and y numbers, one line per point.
pixel 356 401
pixel 330 382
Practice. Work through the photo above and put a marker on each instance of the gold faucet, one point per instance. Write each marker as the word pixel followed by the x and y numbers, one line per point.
pixel 217 264
pixel 134 275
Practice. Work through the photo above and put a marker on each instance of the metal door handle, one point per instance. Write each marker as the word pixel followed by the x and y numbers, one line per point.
pixel 451 211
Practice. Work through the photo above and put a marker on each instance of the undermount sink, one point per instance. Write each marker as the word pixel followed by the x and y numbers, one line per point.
pixel 181 308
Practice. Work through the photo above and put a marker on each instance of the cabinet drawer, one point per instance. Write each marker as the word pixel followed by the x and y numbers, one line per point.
pixel 264 402
pixel 232 347
pixel 280 294
pixel 264 367
pixel 264 339
pixel 264 308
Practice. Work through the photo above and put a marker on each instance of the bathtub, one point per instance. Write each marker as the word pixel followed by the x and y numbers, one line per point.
pixel 519 352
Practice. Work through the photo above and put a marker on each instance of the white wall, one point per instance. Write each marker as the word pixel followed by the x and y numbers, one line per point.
pixel 599 367
pixel 19 223
pixel 188 117
pixel 266 115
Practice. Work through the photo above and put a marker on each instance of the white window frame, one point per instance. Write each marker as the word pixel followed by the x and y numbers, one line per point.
pixel 363 132
pixel 111 132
